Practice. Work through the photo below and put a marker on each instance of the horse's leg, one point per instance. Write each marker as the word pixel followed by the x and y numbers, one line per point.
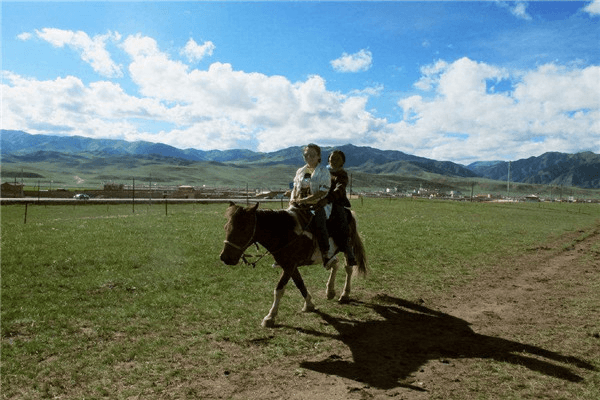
pixel 269 320
pixel 308 304
pixel 330 291
pixel 345 297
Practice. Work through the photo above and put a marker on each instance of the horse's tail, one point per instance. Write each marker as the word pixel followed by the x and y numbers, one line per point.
pixel 359 249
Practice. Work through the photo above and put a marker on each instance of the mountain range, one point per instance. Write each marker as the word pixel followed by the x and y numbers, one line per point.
pixel 581 169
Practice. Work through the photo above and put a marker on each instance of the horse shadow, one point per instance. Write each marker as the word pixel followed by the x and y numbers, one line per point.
pixel 385 352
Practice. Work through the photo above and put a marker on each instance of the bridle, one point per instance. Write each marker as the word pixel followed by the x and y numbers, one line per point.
pixel 243 248
pixel 250 241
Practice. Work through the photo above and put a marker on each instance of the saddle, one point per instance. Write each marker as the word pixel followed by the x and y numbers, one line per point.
pixel 304 215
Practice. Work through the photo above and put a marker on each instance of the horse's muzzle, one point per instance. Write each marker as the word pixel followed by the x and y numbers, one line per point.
pixel 229 259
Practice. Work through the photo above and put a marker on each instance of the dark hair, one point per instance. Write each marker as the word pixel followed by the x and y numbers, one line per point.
pixel 314 147
pixel 340 153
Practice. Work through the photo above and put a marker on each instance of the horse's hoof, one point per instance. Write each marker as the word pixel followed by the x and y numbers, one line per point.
pixel 268 323
pixel 344 299
pixel 330 294
pixel 308 308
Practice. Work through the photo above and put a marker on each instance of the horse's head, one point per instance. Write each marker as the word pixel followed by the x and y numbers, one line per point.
pixel 239 232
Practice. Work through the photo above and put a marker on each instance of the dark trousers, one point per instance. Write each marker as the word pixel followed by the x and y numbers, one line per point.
pixel 339 226
pixel 319 228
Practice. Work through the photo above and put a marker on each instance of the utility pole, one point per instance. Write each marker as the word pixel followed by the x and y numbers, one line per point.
pixel 508 181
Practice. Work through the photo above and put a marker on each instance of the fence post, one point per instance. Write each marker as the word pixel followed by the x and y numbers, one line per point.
pixel 165 197
pixel 25 221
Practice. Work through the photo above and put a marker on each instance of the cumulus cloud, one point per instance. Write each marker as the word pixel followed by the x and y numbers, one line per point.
pixel 24 36
pixel 225 106
pixel 459 117
pixel 214 108
pixel 195 52
pixel 92 50
pixel 357 62
pixel 593 8
pixel 461 110
pixel 67 104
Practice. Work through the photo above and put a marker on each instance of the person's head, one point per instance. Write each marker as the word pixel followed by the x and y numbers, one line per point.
pixel 312 155
pixel 337 159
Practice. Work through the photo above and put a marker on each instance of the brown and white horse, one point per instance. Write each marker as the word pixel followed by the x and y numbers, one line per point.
pixel 282 234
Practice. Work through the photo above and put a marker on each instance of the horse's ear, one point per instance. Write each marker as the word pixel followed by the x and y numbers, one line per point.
pixel 231 204
pixel 254 207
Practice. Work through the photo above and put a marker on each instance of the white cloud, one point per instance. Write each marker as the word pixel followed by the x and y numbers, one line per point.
pixel 216 108
pixel 271 108
pixel 92 50
pixel 593 8
pixel 371 91
pixel 518 9
pixel 357 62
pixel 66 105
pixel 24 36
pixel 195 52
pixel 551 108
pixel 463 110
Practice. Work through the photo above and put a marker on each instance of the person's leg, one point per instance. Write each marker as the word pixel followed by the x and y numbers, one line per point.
pixel 338 226
pixel 319 223
pixel 343 241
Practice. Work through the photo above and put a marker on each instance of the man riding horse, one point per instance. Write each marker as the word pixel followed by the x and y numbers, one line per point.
pixel 311 186
pixel 284 235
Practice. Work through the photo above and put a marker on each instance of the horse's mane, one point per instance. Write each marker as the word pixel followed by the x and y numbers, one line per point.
pixel 282 219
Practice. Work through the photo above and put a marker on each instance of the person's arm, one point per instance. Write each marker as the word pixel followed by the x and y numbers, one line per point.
pixel 313 198
pixel 339 191
pixel 322 179
pixel 296 189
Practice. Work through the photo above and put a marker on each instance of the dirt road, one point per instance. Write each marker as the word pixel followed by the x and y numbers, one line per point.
pixel 528 328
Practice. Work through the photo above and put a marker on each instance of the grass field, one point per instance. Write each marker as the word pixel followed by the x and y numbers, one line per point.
pixel 98 301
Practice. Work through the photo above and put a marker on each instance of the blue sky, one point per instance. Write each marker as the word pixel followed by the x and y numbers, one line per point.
pixel 459 81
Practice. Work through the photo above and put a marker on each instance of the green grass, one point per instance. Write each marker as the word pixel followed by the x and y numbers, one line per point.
pixel 99 301
pixel 434 244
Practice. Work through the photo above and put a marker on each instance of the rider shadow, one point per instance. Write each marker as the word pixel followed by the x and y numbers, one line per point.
pixel 386 352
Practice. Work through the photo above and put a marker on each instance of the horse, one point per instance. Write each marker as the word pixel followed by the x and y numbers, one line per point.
pixel 282 233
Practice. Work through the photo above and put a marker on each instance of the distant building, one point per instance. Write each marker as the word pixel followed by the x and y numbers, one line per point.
pixel 113 186
pixel 11 190
pixel 185 192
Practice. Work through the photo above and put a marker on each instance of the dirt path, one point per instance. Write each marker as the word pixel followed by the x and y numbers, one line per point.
pixel 529 328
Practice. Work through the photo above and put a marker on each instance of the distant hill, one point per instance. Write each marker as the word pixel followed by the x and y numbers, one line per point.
pixel 366 159
pixel 582 169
